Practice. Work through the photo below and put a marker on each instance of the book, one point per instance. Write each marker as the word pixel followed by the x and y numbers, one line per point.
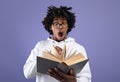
pixel 51 60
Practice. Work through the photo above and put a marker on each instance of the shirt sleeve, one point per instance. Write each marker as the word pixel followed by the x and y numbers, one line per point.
pixel 85 74
pixel 29 68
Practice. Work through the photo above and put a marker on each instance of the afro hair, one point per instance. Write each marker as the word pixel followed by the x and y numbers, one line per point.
pixel 55 12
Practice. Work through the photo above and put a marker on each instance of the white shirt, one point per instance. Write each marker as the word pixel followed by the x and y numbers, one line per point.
pixel 30 65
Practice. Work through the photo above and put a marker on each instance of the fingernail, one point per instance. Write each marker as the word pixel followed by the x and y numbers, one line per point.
pixel 48 73
pixel 49 70
pixel 55 69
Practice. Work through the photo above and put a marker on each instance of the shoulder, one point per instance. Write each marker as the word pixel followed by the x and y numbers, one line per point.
pixel 40 46
pixel 41 43
pixel 78 45
pixel 73 43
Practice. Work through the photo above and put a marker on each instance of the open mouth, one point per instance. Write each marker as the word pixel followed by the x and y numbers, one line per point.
pixel 60 34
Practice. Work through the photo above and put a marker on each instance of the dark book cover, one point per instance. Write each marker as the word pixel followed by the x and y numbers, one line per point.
pixel 44 64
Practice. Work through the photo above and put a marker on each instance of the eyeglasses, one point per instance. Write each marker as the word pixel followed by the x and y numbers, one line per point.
pixel 57 25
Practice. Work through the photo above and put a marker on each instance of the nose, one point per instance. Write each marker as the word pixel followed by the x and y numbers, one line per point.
pixel 60 25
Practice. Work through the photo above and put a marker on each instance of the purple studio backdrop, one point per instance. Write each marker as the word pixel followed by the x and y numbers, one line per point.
pixel 97 29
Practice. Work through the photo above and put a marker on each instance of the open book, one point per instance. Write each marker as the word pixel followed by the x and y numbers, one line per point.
pixel 50 60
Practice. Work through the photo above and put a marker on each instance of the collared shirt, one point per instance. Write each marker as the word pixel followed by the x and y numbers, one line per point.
pixel 71 47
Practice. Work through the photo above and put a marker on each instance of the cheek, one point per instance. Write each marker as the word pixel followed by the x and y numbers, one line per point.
pixel 66 29
pixel 54 31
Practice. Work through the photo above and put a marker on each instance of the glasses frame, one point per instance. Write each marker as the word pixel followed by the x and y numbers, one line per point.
pixel 57 25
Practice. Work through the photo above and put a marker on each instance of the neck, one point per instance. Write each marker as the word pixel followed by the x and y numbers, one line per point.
pixel 57 39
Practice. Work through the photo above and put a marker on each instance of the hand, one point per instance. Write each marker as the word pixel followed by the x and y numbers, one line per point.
pixel 61 76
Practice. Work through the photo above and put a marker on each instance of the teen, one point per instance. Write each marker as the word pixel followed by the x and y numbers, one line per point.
pixel 59 21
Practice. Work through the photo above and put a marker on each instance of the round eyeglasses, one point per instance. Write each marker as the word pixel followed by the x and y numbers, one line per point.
pixel 57 25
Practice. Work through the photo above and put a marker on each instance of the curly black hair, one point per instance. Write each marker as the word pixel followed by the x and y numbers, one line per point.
pixel 62 11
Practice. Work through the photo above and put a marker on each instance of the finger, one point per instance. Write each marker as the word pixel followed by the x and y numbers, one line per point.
pixel 60 72
pixel 72 72
pixel 53 73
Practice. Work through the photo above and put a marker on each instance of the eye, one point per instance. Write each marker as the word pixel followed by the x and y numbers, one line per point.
pixel 64 22
pixel 55 23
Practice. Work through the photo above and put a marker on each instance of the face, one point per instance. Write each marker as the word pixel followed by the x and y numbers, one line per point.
pixel 59 28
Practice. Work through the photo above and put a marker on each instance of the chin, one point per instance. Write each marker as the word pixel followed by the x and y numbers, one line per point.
pixel 60 39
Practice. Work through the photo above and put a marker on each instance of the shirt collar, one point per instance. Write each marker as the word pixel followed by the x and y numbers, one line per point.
pixel 69 39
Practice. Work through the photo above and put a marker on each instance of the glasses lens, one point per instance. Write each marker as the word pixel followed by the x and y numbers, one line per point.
pixel 56 24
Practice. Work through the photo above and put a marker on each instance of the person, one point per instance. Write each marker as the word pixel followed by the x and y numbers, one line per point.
pixel 59 21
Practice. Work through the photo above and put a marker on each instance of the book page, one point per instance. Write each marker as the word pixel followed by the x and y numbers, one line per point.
pixel 75 59
pixel 63 54
pixel 59 56
pixel 48 55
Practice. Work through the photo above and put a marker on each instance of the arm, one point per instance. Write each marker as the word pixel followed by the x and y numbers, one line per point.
pixel 29 68
pixel 85 74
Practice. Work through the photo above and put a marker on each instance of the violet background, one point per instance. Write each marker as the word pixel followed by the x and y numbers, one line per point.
pixel 97 29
